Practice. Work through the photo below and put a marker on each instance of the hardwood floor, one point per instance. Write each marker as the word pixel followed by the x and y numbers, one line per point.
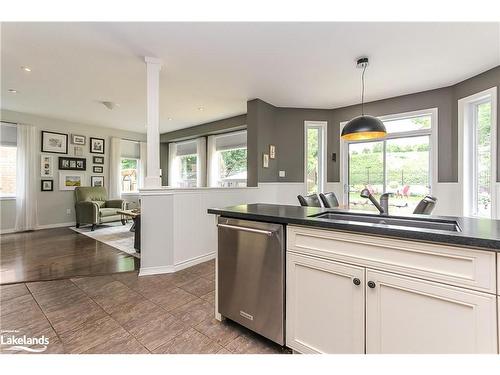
pixel 124 313
pixel 59 253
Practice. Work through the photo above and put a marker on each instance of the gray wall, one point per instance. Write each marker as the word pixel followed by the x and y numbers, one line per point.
pixel 212 127
pixel 284 127
pixel 52 205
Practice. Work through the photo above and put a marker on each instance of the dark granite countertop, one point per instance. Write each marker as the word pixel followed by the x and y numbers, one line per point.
pixel 477 233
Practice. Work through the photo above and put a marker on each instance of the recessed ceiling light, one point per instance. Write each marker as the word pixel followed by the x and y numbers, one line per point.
pixel 200 108
pixel 170 119
pixel 13 91
pixel 26 68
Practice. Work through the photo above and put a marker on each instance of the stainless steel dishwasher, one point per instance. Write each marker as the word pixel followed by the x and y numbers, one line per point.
pixel 251 276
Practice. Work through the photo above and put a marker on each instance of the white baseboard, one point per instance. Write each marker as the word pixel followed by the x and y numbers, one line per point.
pixel 57 225
pixel 194 261
pixel 39 227
pixel 5 231
pixel 145 271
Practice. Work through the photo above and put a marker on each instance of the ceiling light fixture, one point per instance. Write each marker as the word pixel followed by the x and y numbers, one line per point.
pixel 170 119
pixel 13 91
pixel 26 68
pixel 200 108
pixel 364 126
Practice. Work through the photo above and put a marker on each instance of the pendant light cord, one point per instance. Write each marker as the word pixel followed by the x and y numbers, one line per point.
pixel 363 91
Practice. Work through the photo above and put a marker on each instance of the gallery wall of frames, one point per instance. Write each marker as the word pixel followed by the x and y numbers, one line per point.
pixel 72 160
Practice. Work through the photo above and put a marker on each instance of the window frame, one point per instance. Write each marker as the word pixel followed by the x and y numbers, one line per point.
pixel 433 147
pixel 14 195
pixel 138 161
pixel 323 127
pixel 466 156
pixel 217 154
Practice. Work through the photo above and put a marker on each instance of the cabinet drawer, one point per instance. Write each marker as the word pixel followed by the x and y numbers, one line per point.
pixel 474 269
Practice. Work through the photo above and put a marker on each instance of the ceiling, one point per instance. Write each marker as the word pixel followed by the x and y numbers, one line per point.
pixel 219 66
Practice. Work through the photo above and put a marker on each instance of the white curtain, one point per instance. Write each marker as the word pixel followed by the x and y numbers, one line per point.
pixel 201 162
pixel 173 165
pixel 115 168
pixel 142 163
pixel 26 178
pixel 212 173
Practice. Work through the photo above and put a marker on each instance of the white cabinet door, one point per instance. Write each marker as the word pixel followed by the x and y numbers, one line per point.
pixel 407 315
pixel 325 308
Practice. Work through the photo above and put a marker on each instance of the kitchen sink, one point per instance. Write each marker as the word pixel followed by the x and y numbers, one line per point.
pixel 417 223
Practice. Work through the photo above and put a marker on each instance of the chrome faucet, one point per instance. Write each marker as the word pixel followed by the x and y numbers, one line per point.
pixel 383 207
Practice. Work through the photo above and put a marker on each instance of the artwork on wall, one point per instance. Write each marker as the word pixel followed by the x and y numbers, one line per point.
pixel 96 145
pixel 98 160
pixel 72 164
pixel 272 151
pixel 70 180
pixel 97 181
pixel 47 185
pixel 56 143
pixel 265 160
pixel 46 166
pixel 78 139
pixel 78 150
pixel 98 169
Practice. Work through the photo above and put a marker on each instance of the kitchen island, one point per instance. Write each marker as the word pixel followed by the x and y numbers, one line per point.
pixel 358 283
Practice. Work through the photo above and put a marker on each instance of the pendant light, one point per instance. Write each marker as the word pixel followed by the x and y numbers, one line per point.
pixel 363 127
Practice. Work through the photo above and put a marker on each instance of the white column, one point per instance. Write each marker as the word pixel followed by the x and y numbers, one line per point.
pixel 153 173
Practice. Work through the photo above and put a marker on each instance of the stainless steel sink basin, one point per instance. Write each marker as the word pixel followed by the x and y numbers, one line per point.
pixel 436 224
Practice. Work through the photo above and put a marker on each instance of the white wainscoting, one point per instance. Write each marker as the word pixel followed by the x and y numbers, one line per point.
pixel 177 232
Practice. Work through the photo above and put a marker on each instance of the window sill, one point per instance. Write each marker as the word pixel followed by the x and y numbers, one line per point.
pixel 8 198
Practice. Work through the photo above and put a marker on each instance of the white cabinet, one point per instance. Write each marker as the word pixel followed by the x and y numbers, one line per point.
pixel 325 306
pixel 407 315
pixel 426 298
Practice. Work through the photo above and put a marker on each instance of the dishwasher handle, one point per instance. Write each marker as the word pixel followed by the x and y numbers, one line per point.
pixel 246 229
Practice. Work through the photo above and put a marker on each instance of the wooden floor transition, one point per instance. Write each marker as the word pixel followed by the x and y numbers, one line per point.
pixel 60 253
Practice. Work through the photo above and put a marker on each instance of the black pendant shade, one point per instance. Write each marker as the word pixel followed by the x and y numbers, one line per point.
pixel 363 127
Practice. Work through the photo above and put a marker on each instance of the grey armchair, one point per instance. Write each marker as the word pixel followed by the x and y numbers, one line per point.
pixel 93 207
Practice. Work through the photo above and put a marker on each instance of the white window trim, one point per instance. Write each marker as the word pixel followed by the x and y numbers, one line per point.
pixel 9 197
pixel 138 175
pixel 433 152
pixel 463 141
pixel 323 125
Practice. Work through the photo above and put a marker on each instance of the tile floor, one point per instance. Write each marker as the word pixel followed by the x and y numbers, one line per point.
pixel 122 313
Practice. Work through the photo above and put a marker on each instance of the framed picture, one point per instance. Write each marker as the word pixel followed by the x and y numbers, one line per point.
pixel 78 150
pixel 98 169
pixel 46 166
pixel 72 164
pixel 70 180
pixel 272 152
pixel 96 145
pixel 78 139
pixel 265 160
pixel 47 185
pixel 56 143
pixel 97 181
pixel 98 159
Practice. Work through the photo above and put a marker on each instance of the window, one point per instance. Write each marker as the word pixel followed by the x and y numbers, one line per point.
pixel 315 151
pixel 129 173
pixel 227 156
pixel 187 163
pixel 478 114
pixel 8 158
pixel 399 164
pixel 188 170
